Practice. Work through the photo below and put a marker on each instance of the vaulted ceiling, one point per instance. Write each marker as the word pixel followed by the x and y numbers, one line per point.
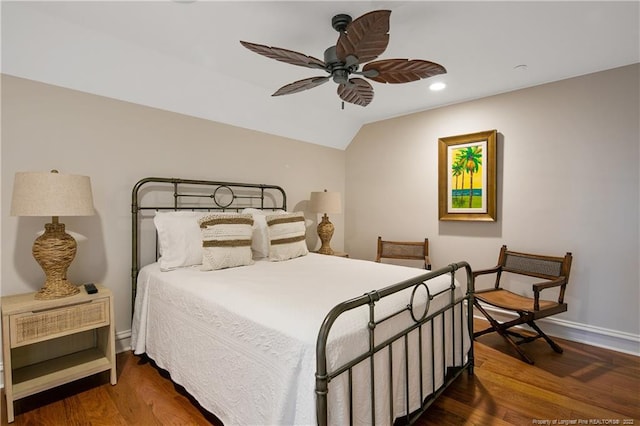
pixel 185 56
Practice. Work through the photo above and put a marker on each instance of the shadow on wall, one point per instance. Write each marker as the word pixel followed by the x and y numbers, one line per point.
pixel 471 229
pixel 89 265
pixel 311 223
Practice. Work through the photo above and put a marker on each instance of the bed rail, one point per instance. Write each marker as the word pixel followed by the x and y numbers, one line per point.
pixel 420 320
pixel 195 195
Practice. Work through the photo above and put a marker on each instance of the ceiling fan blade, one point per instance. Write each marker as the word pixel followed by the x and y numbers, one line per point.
pixel 285 55
pixel 300 85
pixel 357 91
pixel 365 37
pixel 401 70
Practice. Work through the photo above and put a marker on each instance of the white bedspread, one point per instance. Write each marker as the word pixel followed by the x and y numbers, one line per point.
pixel 242 340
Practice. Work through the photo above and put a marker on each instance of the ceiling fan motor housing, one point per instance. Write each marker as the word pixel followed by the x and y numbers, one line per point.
pixel 340 22
pixel 339 70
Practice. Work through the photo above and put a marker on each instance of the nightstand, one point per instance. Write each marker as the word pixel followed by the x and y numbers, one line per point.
pixel 28 325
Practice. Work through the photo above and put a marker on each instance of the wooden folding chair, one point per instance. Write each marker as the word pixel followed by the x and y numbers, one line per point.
pixel 411 250
pixel 555 273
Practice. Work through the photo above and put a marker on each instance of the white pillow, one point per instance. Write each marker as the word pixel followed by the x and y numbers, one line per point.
pixel 260 238
pixel 286 236
pixel 179 239
pixel 226 240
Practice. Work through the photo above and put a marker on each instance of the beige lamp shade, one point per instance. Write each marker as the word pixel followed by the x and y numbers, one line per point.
pixel 325 202
pixel 51 194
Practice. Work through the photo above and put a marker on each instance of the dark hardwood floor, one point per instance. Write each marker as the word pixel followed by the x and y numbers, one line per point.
pixel 584 385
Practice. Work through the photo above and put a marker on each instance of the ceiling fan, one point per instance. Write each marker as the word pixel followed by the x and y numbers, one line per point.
pixel 361 40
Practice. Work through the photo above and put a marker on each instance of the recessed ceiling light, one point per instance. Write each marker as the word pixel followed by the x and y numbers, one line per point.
pixel 437 86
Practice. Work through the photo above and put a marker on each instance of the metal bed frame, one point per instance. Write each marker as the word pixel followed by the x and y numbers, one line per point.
pixel 204 195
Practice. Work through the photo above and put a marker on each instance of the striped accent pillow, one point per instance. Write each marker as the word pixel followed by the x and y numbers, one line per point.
pixel 286 236
pixel 226 240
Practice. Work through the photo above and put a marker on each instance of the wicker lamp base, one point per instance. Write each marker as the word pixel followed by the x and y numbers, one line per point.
pixel 54 251
pixel 325 232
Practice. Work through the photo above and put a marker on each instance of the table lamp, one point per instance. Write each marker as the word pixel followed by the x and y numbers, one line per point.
pixel 325 202
pixel 53 194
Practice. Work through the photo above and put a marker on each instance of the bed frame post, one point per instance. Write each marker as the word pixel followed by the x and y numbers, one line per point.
pixel 134 239
pixel 470 299
pixel 322 378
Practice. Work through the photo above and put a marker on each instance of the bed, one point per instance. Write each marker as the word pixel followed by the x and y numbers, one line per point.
pixel 306 339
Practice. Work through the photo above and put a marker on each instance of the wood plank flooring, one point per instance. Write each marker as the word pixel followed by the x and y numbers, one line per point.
pixel 584 385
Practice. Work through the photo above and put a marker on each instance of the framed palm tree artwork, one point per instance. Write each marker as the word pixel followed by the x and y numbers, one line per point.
pixel 467 177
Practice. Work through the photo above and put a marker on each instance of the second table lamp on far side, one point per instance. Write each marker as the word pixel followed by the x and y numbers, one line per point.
pixel 325 202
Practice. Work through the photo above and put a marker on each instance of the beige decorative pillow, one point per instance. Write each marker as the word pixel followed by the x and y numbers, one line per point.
pixel 226 240
pixel 286 236
pixel 260 238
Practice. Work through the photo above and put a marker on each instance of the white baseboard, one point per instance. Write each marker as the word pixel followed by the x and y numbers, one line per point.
pixel 123 341
pixel 618 341
pixel 595 336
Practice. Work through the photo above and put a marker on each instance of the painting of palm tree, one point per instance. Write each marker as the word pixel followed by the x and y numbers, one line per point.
pixel 467 177
pixel 457 171
pixel 468 160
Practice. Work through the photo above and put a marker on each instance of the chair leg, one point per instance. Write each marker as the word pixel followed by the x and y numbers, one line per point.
pixel 494 324
pixel 501 330
pixel 551 343
pixel 515 346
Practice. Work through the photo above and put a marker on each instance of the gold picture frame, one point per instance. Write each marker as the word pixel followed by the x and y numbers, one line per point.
pixel 467 177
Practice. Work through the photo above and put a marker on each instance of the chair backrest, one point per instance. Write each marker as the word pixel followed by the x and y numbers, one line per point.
pixel 410 250
pixel 535 265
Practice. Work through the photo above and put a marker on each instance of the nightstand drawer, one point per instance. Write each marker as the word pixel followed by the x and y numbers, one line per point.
pixel 32 327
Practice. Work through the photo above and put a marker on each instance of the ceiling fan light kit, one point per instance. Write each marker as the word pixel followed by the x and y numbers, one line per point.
pixel 360 42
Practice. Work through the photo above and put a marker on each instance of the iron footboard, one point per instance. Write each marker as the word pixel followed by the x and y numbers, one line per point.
pixel 420 320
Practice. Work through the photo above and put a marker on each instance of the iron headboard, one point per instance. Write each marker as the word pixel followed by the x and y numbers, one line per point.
pixel 165 194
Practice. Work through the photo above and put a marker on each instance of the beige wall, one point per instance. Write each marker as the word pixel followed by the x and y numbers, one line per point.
pixel 567 181
pixel 116 144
